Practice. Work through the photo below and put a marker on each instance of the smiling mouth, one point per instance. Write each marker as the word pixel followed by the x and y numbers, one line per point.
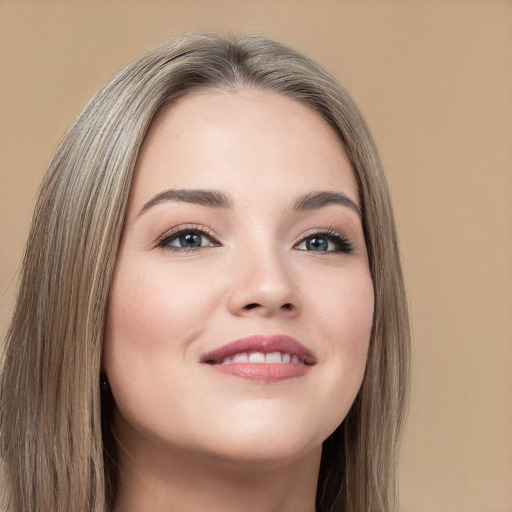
pixel 262 358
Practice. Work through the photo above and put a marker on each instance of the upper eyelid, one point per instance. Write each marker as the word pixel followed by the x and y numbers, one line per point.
pixel 342 240
pixel 321 231
pixel 184 228
pixel 203 230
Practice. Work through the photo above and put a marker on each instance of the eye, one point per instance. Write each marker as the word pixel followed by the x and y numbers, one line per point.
pixel 325 241
pixel 187 239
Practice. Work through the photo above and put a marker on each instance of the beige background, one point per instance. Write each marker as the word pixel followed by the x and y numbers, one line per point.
pixel 435 82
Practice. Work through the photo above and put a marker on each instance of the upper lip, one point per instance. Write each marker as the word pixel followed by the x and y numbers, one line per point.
pixel 261 343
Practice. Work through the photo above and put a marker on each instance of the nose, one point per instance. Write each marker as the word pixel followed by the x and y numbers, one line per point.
pixel 264 285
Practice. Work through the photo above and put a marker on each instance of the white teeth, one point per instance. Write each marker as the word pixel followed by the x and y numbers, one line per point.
pixel 241 358
pixel 256 357
pixel 274 357
pixel 260 357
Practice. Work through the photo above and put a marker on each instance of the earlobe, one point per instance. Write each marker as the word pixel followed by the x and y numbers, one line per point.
pixel 104 385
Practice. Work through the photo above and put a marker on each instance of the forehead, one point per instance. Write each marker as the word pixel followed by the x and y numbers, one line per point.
pixel 247 142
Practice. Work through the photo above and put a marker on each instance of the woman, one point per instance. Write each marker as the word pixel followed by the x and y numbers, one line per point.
pixel 211 312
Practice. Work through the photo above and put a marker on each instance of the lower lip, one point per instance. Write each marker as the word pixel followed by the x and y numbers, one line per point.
pixel 265 372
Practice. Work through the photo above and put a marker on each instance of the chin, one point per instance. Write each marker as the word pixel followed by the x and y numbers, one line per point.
pixel 259 456
pixel 264 442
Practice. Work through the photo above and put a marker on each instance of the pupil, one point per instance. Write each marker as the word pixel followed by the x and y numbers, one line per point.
pixel 190 240
pixel 317 244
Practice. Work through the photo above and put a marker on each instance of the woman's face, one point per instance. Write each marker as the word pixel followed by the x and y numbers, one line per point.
pixel 242 302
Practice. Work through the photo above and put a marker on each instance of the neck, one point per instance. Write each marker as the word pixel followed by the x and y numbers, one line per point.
pixel 169 482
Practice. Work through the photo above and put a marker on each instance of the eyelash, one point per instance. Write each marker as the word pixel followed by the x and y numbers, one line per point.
pixel 340 241
pixel 164 241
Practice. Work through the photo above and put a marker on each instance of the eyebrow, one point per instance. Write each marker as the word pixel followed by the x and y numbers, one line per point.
pixel 211 198
pixel 217 199
pixel 316 200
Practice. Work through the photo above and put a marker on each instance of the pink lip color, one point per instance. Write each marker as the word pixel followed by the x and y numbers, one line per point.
pixel 268 372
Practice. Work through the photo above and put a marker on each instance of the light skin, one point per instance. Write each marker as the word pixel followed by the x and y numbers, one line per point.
pixel 254 250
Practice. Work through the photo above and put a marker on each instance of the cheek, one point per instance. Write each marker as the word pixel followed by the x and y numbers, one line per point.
pixel 346 311
pixel 156 306
pixel 345 317
pixel 153 314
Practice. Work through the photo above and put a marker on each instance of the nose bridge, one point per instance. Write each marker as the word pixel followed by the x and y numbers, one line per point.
pixel 262 280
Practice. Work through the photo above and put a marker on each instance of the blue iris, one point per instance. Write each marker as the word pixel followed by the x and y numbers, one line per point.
pixel 317 244
pixel 190 240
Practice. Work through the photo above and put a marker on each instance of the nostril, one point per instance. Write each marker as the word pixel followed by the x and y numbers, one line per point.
pixel 254 305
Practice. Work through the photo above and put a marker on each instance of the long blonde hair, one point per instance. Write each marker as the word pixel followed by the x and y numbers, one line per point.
pixel 56 444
